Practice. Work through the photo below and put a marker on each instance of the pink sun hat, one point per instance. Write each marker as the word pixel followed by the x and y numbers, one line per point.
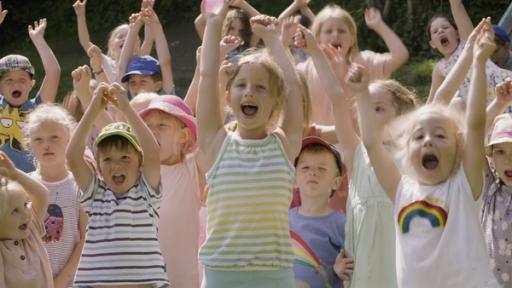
pixel 501 132
pixel 175 106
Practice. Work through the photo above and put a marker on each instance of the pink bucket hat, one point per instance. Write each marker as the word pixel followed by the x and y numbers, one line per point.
pixel 175 106
pixel 501 132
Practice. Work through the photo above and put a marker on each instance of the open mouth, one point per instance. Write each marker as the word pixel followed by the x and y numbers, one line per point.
pixel 336 45
pixel 249 109
pixel 48 154
pixel 444 41
pixel 508 173
pixel 16 94
pixel 429 161
pixel 118 179
pixel 23 227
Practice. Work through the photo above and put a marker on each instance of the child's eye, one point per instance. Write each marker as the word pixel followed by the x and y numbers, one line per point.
pixel 379 109
pixel 499 152
pixel 125 157
pixel 106 159
pixel 441 136
pixel 305 168
pixel 261 87
pixel 418 137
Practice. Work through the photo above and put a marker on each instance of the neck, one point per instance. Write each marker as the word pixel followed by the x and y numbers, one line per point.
pixel 52 173
pixel 314 207
pixel 252 133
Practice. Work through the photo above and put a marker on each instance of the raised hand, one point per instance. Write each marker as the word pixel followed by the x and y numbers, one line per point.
pixel 372 18
pixel 288 28
pixel 229 43
pixel 135 21
pixel 484 45
pixel 94 53
pixel 37 31
pixel 81 78
pixel 147 4
pixel 118 96
pixel 100 98
pixel 301 3
pixel 264 25
pixel 226 71
pixel 7 168
pixel 149 16
pixel 304 39
pixel 79 7
pixel 3 13
pixel 337 60
pixel 357 78
pixel 504 92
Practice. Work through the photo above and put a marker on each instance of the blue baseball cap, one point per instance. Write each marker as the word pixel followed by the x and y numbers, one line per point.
pixel 142 65
pixel 500 33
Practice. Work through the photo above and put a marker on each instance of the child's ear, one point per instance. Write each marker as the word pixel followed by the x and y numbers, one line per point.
pixel 431 44
pixel 185 138
pixel 32 83
pixel 158 86
pixel 228 98
pixel 337 182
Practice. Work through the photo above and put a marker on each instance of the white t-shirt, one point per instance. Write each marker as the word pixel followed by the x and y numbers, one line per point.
pixel 439 238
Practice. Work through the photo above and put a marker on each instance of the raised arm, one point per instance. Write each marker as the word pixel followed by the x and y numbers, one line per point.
pixel 50 84
pixel 210 126
pixel 398 52
pixel 151 166
pixel 95 59
pixel 296 5
pixel 37 191
pixel 474 149
pixel 127 51
pixel 371 133
pixel 251 11
pixel 162 49
pixel 345 131
pixel 292 119
pixel 81 23
pixel 3 13
pixel 499 104
pixel 149 37
pixel 462 20
pixel 76 146
pixel 457 74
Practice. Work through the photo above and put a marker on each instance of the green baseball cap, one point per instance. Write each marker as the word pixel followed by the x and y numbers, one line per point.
pixel 120 129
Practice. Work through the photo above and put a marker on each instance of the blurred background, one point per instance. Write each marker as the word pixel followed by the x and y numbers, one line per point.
pixel 408 18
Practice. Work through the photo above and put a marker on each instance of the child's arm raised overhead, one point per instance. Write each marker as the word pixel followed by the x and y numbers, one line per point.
pixel 36 191
pixel 151 166
pixel 50 84
pixel 210 126
pixel 292 121
pixel 345 131
pixel 162 49
pixel 252 12
pixel 76 146
pixel 200 22
pixel 296 5
pixel 398 51
pixel 371 132
pixel 457 74
pixel 474 150
pixel 462 20
pixel 499 104
pixel 127 51
pixel 95 56
pixel 3 13
pixel 81 22
pixel 149 37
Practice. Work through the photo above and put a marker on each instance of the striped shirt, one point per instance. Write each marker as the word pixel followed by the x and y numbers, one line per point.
pixel 66 195
pixel 249 194
pixel 121 246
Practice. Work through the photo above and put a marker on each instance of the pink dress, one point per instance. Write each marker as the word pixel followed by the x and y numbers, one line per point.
pixel 24 263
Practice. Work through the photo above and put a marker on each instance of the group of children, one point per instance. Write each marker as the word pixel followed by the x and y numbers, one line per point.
pixel 128 185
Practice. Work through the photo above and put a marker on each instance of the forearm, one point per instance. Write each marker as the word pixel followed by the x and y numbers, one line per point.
pixel 444 94
pixel 200 24
pixel 191 97
pixel 146 139
pixel 462 20
pixel 306 11
pixel 76 146
pixel 83 32
pixel 397 49
pixel 127 51
pixel 494 109
pixel 370 127
pixel 251 11
pixel 476 100
pixel 36 191
pixel 149 38
pixel 289 11
pixel 52 71
pixel 164 57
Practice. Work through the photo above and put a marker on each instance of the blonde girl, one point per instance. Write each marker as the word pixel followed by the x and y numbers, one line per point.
pixel 250 176
pixel 442 158
pixel 48 131
pixel 23 202
pixel 335 27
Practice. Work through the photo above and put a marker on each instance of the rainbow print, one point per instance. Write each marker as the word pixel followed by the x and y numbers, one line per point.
pixel 303 254
pixel 436 215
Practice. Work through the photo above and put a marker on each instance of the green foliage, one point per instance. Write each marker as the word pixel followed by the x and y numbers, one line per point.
pixel 417 75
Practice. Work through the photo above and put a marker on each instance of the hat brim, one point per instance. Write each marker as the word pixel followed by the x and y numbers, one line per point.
pixel 107 134
pixel 488 147
pixel 137 72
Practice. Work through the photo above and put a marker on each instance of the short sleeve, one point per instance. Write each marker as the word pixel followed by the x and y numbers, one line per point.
pixel 375 63
pixel 87 196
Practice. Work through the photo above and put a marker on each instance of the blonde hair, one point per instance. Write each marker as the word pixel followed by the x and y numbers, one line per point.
pixel 402 130
pixel 142 100
pixel 306 102
pixel 112 37
pixel 243 17
pixel 403 99
pixel 49 112
pixel 7 188
pixel 276 79
pixel 334 11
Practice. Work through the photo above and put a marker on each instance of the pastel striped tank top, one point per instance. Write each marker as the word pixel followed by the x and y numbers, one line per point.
pixel 250 187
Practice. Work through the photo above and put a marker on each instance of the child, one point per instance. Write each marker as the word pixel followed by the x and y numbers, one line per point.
pixel 335 26
pixel 122 201
pixel 316 229
pixel 23 201
pixel 370 235
pixel 249 172
pixel 16 82
pixel 145 73
pixel 497 193
pixel 449 39
pixel 174 128
pixel 116 40
pixel 48 131
pixel 235 24
pixel 442 161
